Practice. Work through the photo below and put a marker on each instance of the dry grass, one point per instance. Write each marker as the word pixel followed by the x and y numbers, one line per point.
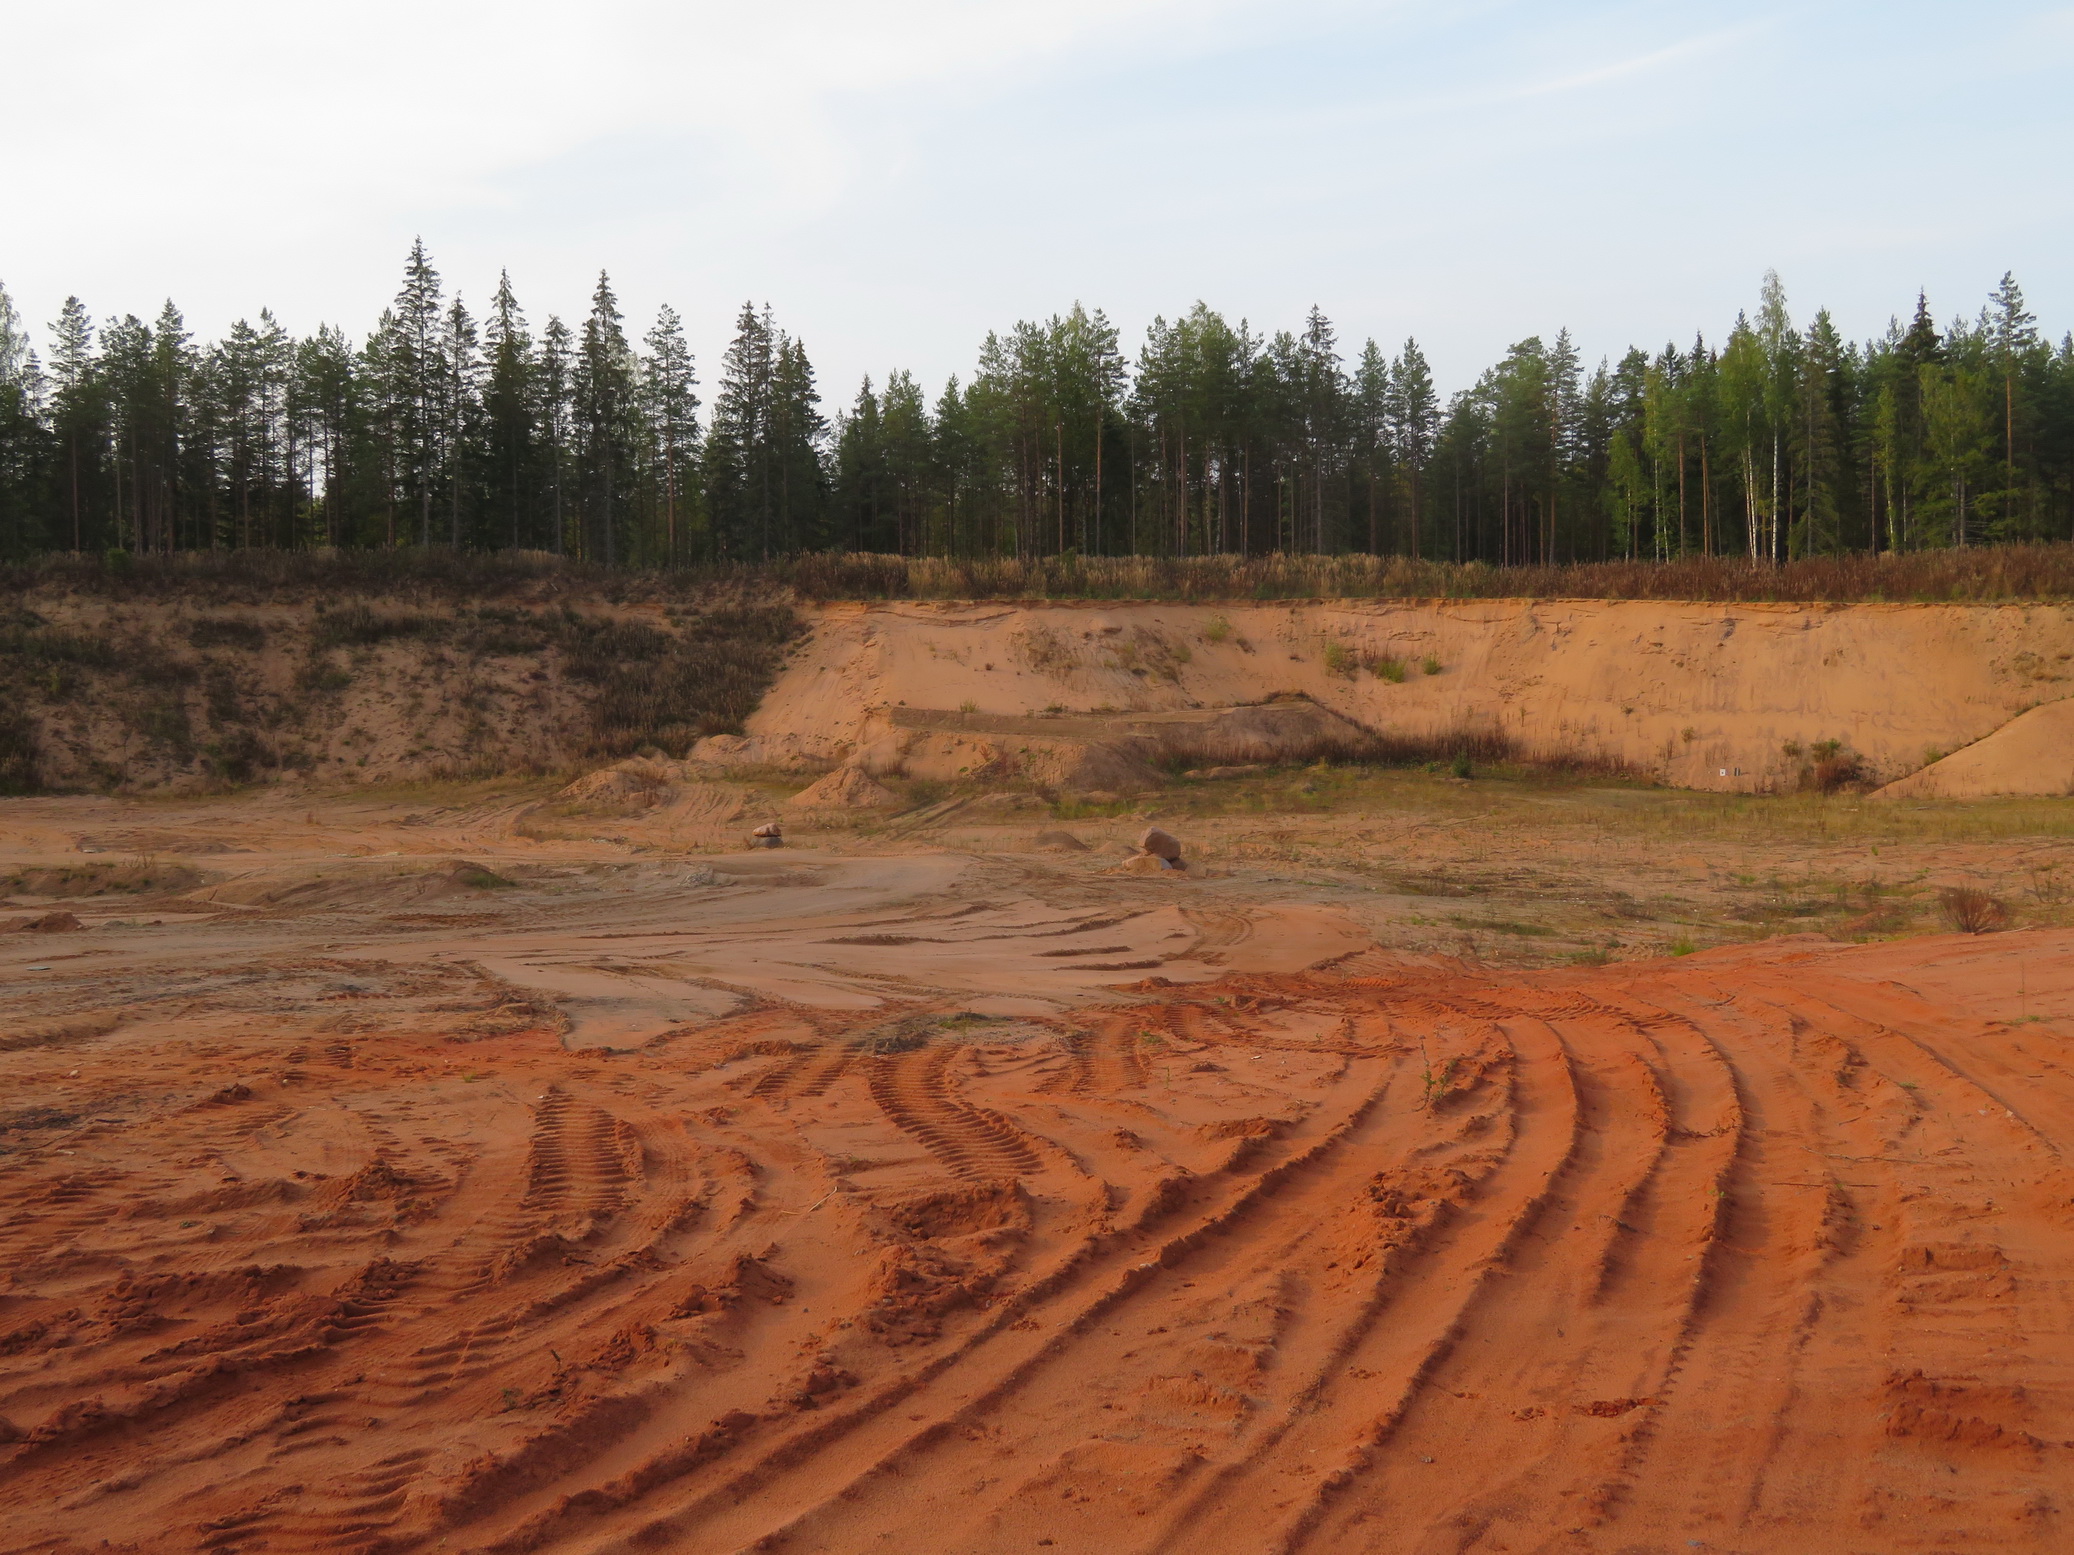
pixel 1982 573
pixel 1976 574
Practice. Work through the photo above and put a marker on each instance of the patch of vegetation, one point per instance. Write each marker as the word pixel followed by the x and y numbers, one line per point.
pixel 226 632
pixel 127 878
pixel 1504 926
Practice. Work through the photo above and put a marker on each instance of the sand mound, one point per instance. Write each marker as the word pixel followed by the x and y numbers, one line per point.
pixel 1121 753
pixel 846 788
pixel 59 922
pixel 639 781
pixel 2031 754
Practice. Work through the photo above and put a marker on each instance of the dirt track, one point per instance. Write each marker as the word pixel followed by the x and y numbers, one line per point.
pixel 629 1210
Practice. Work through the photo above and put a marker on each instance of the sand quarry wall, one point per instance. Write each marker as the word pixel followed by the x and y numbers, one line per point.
pixel 1711 696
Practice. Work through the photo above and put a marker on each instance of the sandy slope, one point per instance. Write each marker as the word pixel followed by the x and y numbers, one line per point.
pixel 2031 754
pixel 944 1202
pixel 1703 696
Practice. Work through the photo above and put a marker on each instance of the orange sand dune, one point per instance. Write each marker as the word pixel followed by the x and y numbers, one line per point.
pixel 332 1243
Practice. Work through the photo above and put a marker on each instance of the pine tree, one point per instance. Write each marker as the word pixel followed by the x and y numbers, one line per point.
pixel 1413 413
pixel 2011 334
pixel 24 444
pixel 328 401
pixel 76 412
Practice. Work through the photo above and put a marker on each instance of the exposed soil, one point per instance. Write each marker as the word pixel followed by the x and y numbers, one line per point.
pixel 502 1169
pixel 1729 697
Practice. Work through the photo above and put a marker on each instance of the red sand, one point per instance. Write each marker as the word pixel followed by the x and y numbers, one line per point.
pixel 1760 1250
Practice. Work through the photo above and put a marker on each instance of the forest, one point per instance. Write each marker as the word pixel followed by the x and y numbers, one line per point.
pixel 440 428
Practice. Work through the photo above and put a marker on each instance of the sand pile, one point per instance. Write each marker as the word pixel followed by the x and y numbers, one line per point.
pixel 2031 754
pixel 846 788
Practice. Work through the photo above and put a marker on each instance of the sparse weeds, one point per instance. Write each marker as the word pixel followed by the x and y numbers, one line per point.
pixel 132 876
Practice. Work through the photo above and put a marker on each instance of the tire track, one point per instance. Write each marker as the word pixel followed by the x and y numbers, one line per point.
pixel 916 1092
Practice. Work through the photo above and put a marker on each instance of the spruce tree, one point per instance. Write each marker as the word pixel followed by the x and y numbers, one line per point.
pixel 415 386
pixel 554 414
pixel 603 396
pixel 738 485
pixel 511 447
pixel 670 412
pixel 459 415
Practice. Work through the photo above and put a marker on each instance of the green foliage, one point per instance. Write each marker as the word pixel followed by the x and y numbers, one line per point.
pixel 1777 442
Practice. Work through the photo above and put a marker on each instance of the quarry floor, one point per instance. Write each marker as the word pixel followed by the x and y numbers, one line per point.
pixel 1524 1163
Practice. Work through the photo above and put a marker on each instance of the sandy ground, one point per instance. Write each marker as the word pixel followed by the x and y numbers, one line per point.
pixel 463 1170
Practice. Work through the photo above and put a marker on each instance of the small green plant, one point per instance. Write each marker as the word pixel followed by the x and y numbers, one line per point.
pixel 1340 660
pixel 1216 629
pixel 1430 665
pixel 1385 667
pixel 1682 946
pixel 968 706
pixel 1459 767
pixel 1433 1083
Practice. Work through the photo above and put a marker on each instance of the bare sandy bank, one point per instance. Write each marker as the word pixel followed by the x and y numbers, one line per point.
pixel 1724 696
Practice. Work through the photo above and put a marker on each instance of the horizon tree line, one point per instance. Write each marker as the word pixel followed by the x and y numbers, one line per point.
pixel 439 428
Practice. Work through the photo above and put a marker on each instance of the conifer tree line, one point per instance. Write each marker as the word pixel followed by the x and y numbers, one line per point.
pixel 443 427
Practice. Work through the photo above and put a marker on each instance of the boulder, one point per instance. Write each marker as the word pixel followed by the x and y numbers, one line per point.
pixel 1160 845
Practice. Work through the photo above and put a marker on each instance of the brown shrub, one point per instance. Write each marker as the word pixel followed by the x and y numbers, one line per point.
pixel 1972 911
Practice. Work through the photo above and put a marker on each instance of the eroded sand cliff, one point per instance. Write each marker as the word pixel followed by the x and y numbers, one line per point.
pixel 1727 696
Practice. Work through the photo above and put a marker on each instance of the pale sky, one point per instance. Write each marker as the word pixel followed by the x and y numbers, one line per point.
pixel 899 176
